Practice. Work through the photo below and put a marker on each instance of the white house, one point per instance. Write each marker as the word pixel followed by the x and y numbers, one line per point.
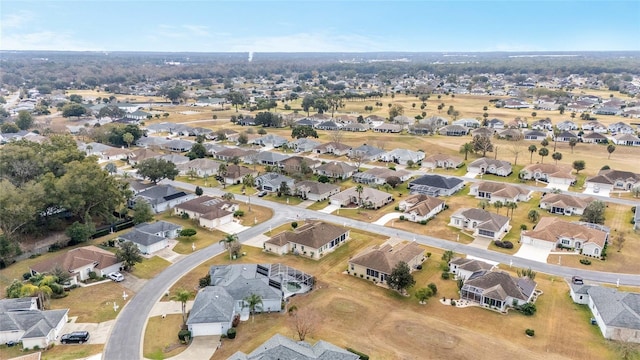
pixel 481 222
pixel 30 325
pixel 208 211
pixel 419 207
pixel 490 166
pixel 551 232
pixel 152 237
pixel 79 262
pixel 463 268
pixel 494 191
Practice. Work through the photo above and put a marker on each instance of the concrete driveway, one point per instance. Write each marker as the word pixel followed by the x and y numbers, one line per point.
pixel 98 332
pixel 330 208
pixel 201 347
pixel 563 187
pixel 471 175
pixel 256 241
pixel 535 253
pixel 481 242
pixel 386 217
pixel 232 228
pixel 601 192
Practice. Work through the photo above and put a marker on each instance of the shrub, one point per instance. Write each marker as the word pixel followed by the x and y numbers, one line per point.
pixel 428 254
pixel 205 281
pixel 238 213
pixel 507 244
pixel 231 333
pixel 397 208
pixel 236 320
pixel 26 276
pixel 530 332
pixel 523 226
pixel 93 275
pixel 184 336
pixel 185 216
pixel 433 287
pixel 453 302
pixel 423 222
pixel 585 261
pixel 528 309
pixel 361 355
pixel 498 243
pixel 55 247
pixel 445 275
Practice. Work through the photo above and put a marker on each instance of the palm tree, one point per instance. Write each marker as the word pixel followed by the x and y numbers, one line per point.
pixel 532 149
pixel 465 149
pixel 511 205
pixel 253 301
pixel 543 152
pixel 544 142
pixel 228 241
pixel 533 215
pixel 222 172
pixel 556 132
pixel 572 143
pixel 498 205
pixel 359 190
pixel 556 156
pixel 483 204
pixel 182 296
pixel 610 149
pixel 249 181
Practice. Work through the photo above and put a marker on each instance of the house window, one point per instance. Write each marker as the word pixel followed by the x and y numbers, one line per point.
pixel 565 242
pixel 373 273
pixel 596 251
pixel 352 267
pixel 457 222
pixel 486 233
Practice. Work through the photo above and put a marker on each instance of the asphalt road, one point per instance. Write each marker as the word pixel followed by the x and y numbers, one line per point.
pixel 125 340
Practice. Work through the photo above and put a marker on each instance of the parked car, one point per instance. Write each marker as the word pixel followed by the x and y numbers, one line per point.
pixel 115 276
pixel 77 337
pixel 262 193
pixel 577 280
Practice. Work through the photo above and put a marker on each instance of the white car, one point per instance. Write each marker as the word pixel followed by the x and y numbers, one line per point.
pixel 116 276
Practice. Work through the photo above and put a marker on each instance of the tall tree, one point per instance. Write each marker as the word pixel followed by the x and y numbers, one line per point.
pixel 465 149
pixel 25 120
pixel 498 205
pixel 543 152
pixel 303 321
pixel 400 278
pixel 594 212
pixel 228 242
pixel 533 215
pixel 222 173
pixel 556 156
pixel 73 109
pixel 572 144
pixel 610 149
pixel 359 190
pixel 157 169
pixel 482 144
pixel 254 302
pixel 236 98
pixel 128 138
pixel 182 296
pixel 142 212
pixel 579 165
pixel 532 149
pixel 395 110
pixel 129 254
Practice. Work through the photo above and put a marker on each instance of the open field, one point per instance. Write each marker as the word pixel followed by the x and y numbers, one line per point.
pixel 150 267
pixel 92 304
pixel 388 326
pixel 59 352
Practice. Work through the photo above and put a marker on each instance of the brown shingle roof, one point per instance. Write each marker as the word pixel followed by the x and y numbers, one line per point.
pixel 501 189
pixel 312 234
pixel 207 206
pixel 551 228
pixel 384 258
pixel 564 200
pixel 76 258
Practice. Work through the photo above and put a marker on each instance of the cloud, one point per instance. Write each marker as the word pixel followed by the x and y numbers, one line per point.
pixel 44 40
pixel 17 19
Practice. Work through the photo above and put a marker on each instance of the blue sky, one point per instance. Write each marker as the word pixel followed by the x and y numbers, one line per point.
pixel 324 26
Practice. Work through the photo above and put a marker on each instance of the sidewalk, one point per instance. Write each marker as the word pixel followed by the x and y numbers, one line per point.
pixel 169 308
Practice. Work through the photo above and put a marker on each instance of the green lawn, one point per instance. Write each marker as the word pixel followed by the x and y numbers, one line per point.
pixel 92 304
pixel 319 205
pixel 149 268
pixel 292 200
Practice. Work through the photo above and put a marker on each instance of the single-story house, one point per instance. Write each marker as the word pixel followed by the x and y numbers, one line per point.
pixel 31 326
pixel 419 207
pixel 379 176
pixel 369 198
pixel 313 239
pixel 334 148
pixel 212 312
pixel 435 185
pixel 152 237
pixel 161 197
pixel 595 138
pixel 535 135
pixel 235 174
pixel 490 166
pixel 336 170
pixel 270 140
pixel 567 125
pixel 388 128
pixel 208 211
pixel 199 167
pixel 296 164
pixel 549 173
pixel 79 262
pixel 268 158
pixel 366 152
pixel 272 182
pixel 495 191
pixel 551 232
pixel 402 156
pixel 614 179
pixel 314 190
pixel 177 159
pixel 626 139
pixel 453 130
pixel 621 128
pixel 230 154
pixel 636 219
pixel 463 268
pixel 497 289
pixel 377 262
pixel 617 313
pixel 303 145
pixel 565 204
pixel 481 222
pixel 281 347
pixel 137 155
pixel 178 145
pixel 442 161
pixel 594 126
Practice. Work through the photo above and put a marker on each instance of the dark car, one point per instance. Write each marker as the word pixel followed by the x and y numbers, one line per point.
pixel 78 337
pixel 577 280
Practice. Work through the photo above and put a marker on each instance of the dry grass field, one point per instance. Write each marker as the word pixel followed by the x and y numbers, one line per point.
pixel 379 322
pixel 160 337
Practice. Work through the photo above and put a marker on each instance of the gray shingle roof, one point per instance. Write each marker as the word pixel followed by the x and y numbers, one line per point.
pixel 284 348
pixel 212 305
pixel 34 323
pixel 617 308
pixel 436 181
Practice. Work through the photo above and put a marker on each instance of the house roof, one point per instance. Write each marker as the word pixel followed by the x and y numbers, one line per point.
pixel 566 200
pixel 551 170
pixel 213 304
pixel 76 258
pixel 384 258
pixel 237 171
pixel 486 220
pixel 616 308
pixel 337 168
pixel 208 207
pixel 160 193
pixel 334 145
pixel 367 150
pixel 551 229
pixel 500 189
pixel 270 156
pixel 200 164
pixel 18 304
pixel 610 176
pixel 500 285
pixel 145 234
pixel 471 265
pixel 281 347
pixel 437 181
pixel 34 323
pixel 315 187
pixel 312 234
pixel 443 157
pixel 486 162
pixel 422 204
pixel 368 195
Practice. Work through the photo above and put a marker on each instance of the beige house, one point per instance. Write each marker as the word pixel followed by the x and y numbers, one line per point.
pixel 208 211
pixel 565 204
pixel 494 191
pixel 376 263
pixel 442 161
pixel 551 232
pixel 550 173
pixel 419 207
pixel 481 222
pixel 79 263
pixel 369 198
pixel 313 239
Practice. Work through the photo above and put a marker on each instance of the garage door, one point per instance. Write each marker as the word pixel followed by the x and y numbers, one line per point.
pixel 206 329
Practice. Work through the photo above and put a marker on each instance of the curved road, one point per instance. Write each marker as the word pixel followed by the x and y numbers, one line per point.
pixel 125 340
